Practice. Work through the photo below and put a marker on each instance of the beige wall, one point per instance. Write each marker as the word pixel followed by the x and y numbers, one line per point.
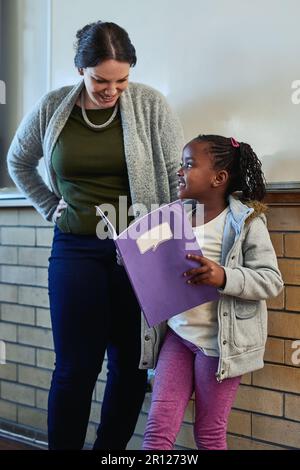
pixel 227 66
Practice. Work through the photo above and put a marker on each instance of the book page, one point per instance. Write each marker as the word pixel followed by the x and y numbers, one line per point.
pixel 154 237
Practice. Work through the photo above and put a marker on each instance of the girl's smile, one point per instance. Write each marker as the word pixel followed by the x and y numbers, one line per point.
pixel 181 183
pixel 196 175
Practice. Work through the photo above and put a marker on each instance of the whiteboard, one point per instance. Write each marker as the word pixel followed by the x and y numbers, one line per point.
pixel 226 66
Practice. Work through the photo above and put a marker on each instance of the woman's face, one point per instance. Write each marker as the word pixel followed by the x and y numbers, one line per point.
pixel 105 82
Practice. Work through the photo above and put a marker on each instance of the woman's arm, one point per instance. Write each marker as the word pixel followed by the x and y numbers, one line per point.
pixel 172 141
pixel 23 157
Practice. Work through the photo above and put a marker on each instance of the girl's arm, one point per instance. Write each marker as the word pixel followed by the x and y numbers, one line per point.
pixel 259 277
pixel 256 277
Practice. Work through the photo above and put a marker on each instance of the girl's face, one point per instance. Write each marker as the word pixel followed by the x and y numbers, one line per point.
pixel 196 175
pixel 105 83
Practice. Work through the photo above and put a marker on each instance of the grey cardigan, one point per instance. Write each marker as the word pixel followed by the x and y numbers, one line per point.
pixel 153 142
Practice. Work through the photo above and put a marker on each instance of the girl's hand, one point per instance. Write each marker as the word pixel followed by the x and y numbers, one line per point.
pixel 61 206
pixel 209 273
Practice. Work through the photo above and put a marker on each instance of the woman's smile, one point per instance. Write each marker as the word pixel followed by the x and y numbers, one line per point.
pixel 107 99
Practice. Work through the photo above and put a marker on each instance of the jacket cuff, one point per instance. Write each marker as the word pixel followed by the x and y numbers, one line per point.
pixel 235 282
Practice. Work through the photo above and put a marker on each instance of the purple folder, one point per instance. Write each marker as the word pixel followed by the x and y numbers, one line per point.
pixel 153 249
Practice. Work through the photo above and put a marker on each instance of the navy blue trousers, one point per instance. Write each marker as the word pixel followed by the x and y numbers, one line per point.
pixel 93 310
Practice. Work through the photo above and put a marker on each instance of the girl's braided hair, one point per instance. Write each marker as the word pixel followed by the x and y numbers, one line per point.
pixel 241 163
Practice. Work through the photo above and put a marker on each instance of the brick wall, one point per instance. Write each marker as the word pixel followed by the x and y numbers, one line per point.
pixel 25 241
pixel 266 412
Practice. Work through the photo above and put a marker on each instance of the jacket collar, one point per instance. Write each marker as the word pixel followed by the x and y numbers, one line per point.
pixel 239 214
pixel 240 211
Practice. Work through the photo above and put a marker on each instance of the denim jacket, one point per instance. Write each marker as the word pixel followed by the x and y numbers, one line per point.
pixel 252 276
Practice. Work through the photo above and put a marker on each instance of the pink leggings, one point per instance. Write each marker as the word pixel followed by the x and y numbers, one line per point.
pixel 181 370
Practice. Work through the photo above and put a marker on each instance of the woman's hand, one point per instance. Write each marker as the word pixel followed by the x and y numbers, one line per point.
pixel 61 206
pixel 119 258
pixel 209 273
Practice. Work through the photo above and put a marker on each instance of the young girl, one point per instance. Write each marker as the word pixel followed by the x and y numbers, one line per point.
pixel 208 348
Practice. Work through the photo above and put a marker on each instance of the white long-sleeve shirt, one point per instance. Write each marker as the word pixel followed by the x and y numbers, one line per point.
pixel 199 325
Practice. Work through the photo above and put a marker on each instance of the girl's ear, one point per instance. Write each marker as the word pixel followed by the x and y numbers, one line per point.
pixel 80 71
pixel 220 178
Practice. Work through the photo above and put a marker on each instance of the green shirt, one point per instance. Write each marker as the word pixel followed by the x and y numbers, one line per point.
pixel 91 170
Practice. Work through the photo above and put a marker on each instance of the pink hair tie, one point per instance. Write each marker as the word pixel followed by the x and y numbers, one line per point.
pixel 234 143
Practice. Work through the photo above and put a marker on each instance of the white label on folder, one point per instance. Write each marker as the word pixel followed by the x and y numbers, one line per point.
pixel 154 237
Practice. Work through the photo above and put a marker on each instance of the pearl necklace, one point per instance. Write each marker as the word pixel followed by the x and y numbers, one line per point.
pixel 89 123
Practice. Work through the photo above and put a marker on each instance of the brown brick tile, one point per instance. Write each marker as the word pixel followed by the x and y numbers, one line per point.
pixel 284 218
pixel 278 377
pixel 277 241
pixel 276 430
pixel 274 350
pixel 292 407
pixel 292 298
pixel 284 325
pixel 259 400
pixel 292 245
pixel 290 270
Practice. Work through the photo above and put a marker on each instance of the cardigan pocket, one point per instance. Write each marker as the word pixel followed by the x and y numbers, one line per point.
pixel 245 308
pixel 247 325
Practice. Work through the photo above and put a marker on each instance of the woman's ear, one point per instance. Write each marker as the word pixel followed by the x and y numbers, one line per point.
pixel 80 71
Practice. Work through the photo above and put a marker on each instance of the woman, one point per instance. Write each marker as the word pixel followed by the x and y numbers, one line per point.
pixel 101 139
